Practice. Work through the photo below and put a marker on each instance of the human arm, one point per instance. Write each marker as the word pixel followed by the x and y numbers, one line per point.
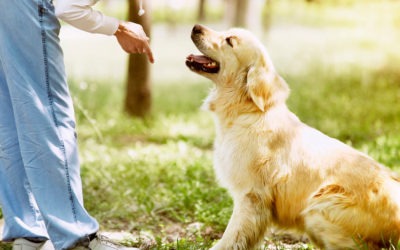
pixel 133 39
pixel 80 14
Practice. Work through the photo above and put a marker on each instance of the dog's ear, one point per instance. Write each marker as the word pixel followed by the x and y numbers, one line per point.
pixel 265 86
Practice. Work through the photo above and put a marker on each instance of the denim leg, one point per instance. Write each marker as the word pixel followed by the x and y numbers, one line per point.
pixel 19 207
pixel 32 61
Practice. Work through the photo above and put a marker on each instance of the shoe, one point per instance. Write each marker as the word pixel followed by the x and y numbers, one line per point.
pixel 23 244
pixel 101 242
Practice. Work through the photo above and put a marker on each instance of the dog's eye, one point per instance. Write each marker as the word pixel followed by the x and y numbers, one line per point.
pixel 230 40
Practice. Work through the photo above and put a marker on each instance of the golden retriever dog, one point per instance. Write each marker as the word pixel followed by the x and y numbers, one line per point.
pixel 279 171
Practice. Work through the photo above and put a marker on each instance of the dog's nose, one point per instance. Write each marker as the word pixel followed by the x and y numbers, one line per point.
pixel 197 29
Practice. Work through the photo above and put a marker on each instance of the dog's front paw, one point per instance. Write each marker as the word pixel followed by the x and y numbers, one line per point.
pixel 218 246
pixel 232 246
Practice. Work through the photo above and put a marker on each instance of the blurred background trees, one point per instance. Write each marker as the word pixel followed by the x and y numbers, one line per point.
pixel 335 32
pixel 138 85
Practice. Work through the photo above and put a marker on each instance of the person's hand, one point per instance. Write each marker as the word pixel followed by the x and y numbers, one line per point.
pixel 133 39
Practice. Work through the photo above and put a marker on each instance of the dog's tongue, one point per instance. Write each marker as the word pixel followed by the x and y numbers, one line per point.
pixel 203 63
pixel 200 59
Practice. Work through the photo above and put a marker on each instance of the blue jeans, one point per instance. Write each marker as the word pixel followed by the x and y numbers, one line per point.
pixel 40 185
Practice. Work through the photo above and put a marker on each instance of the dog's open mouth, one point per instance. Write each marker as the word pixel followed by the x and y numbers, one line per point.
pixel 202 63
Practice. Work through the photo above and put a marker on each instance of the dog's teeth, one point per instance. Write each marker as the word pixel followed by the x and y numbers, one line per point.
pixel 211 64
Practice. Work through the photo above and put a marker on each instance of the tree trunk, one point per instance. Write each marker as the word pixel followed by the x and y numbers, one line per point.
pixel 138 87
pixel 201 15
pixel 236 13
pixel 241 10
pixel 245 13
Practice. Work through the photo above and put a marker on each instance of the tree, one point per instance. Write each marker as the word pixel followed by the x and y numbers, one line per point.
pixel 244 13
pixel 201 14
pixel 138 86
pixel 241 13
pixel 236 12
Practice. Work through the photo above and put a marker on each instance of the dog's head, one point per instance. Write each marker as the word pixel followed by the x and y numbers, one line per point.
pixel 236 61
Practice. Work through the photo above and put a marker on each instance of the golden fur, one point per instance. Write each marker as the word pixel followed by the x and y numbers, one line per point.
pixel 281 172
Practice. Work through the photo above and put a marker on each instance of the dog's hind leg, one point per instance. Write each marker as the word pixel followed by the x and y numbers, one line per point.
pixel 331 217
pixel 326 235
pixel 247 224
pixel 322 215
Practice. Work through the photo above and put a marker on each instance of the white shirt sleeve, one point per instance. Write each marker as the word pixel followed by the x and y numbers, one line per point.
pixel 79 13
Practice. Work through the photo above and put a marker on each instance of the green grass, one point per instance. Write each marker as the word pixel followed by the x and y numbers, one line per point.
pixel 152 175
pixel 155 176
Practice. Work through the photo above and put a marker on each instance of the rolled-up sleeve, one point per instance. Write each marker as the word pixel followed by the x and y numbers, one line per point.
pixel 80 14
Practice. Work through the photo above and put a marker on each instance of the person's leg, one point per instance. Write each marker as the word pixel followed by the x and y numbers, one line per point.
pixel 21 215
pixel 33 62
